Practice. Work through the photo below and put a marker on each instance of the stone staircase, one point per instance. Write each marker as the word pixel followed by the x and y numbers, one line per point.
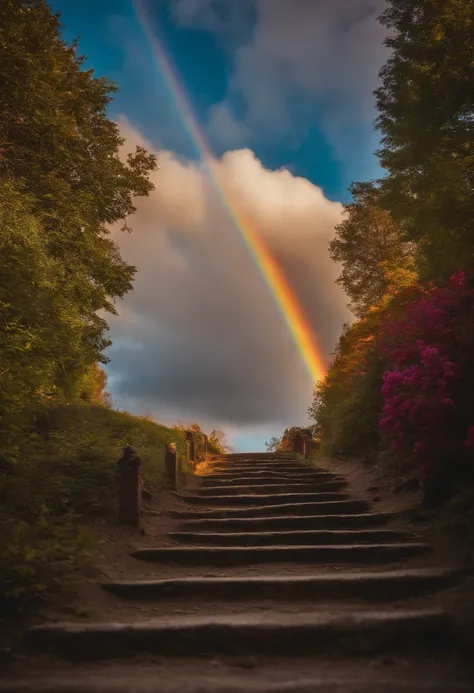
pixel 307 575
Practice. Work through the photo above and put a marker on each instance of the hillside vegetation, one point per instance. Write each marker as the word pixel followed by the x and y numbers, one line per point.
pixel 65 475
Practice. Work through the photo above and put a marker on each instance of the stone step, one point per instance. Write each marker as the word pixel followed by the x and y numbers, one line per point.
pixel 138 680
pixel 330 508
pixel 254 555
pixel 242 459
pixel 289 486
pixel 266 453
pixel 287 522
pixel 376 587
pixel 265 477
pixel 262 462
pixel 283 467
pixel 275 466
pixel 256 455
pixel 313 537
pixel 214 487
pixel 318 633
pixel 250 459
pixel 264 499
pixel 283 454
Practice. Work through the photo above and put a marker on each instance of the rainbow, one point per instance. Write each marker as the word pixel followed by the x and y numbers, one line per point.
pixel 283 294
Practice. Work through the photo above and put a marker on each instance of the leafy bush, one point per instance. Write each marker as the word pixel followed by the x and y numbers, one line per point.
pixel 346 405
pixel 217 443
pixel 428 388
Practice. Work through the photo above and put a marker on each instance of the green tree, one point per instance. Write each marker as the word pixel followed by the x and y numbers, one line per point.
pixel 63 183
pixel 369 245
pixel 92 387
pixel 42 335
pixel 346 406
pixel 426 117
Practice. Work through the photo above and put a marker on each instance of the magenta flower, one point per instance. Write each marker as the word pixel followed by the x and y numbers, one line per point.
pixel 429 352
pixel 469 443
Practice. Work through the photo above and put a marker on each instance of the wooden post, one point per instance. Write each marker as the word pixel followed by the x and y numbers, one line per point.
pixel 305 445
pixel 130 488
pixel 191 449
pixel 300 444
pixel 171 460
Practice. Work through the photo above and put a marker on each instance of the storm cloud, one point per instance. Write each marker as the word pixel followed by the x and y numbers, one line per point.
pixel 201 337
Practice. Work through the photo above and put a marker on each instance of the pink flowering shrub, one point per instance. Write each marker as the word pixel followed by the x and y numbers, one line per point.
pixel 428 387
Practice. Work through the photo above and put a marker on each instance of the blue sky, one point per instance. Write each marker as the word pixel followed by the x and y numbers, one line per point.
pixel 114 42
pixel 289 81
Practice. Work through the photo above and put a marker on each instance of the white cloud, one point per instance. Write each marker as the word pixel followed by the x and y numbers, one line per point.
pixel 228 20
pixel 200 337
pixel 225 127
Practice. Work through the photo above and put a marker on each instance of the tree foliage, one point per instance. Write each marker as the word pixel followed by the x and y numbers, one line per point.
pixel 272 444
pixel 426 117
pixel 370 247
pixel 405 368
pixel 92 387
pixel 346 405
pixel 62 183
pixel 286 441
pixel 427 340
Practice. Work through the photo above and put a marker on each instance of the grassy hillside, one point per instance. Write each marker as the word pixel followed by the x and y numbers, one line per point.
pixel 62 466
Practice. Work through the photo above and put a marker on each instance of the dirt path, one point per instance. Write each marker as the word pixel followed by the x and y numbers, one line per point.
pixel 322 582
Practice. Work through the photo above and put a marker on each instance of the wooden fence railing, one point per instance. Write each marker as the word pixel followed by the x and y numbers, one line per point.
pixel 196 447
pixel 304 444
pixel 130 480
